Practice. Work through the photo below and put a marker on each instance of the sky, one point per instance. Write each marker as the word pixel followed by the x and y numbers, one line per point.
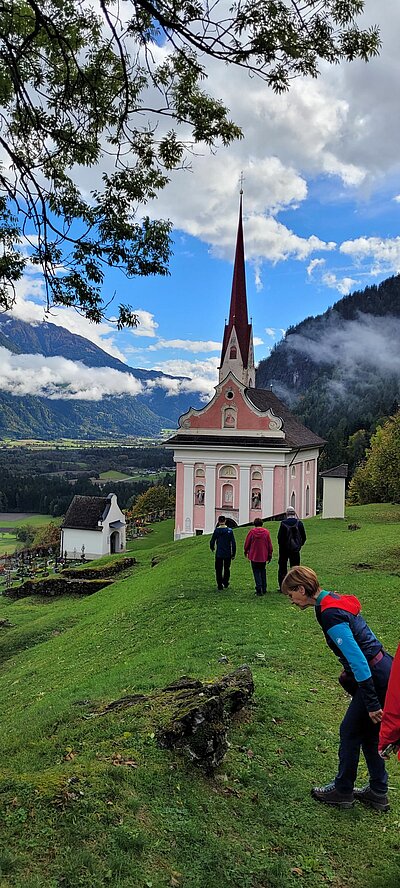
pixel 321 209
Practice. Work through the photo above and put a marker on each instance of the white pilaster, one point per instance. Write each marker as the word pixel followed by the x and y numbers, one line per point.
pixel 210 499
pixel 188 476
pixel 244 494
pixel 268 492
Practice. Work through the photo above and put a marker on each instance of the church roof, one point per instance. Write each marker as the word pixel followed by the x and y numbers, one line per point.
pixel 297 435
pixel 238 317
pixel 85 512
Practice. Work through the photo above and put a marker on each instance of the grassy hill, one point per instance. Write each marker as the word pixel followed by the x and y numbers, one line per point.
pixel 71 816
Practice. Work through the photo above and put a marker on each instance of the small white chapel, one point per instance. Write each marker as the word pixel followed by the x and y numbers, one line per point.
pixel 244 454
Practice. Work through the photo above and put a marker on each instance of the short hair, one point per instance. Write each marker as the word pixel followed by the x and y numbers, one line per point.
pixel 290 510
pixel 301 576
pixel 221 519
pixel 258 522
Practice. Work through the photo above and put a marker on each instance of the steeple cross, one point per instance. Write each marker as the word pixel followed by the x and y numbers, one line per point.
pixel 241 180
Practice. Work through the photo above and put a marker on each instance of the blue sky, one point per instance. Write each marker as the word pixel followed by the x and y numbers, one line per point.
pixel 321 215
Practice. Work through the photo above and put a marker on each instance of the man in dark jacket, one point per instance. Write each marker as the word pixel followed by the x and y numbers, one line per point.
pixel 291 537
pixel 258 549
pixel 224 540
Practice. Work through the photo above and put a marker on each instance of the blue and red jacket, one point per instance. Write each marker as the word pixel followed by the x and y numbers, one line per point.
pixel 351 640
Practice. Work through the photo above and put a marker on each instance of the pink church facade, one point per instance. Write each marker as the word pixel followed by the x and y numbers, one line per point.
pixel 244 454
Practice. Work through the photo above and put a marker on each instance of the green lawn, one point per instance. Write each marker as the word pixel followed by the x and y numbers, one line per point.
pixel 36 520
pixel 71 818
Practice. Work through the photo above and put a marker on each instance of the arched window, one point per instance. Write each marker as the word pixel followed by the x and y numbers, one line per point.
pixel 307 500
pixel 233 352
pixel 256 498
pixel 227 496
pixel 256 475
pixel 293 471
pixel 227 472
pixel 293 499
pixel 199 495
pixel 200 473
pixel 308 468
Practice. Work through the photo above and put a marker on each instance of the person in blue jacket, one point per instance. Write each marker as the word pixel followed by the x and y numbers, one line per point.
pixel 224 541
pixel 366 669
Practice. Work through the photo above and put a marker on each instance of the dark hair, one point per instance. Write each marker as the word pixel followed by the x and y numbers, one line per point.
pixel 257 522
pixel 301 576
pixel 221 519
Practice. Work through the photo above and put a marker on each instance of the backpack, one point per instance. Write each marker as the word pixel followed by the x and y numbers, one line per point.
pixel 294 540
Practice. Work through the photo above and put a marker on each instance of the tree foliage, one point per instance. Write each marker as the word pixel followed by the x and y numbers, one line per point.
pixel 112 87
pixel 155 499
pixel 378 479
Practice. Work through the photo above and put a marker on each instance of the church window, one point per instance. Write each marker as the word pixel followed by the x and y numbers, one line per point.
pixel 293 499
pixel 293 471
pixel 308 468
pixel 227 472
pixel 256 475
pixel 230 394
pixel 233 352
pixel 307 500
pixel 256 498
pixel 200 473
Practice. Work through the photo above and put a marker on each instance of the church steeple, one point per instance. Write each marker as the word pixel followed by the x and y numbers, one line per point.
pixel 237 348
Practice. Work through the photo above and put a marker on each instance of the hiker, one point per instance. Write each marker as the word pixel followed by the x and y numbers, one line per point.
pixel 291 537
pixel 224 540
pixel 258 549
pixel 366 670
pixel 389 735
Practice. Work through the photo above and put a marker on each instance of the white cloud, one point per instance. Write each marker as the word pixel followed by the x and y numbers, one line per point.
pixel 343 286
pixel 270 332
pixel 385 252
pixel 314 264
pixel 187 345
pixel 147 326
pixel 257 341
pixel 397 198
pixel 60 379
pixel 203 376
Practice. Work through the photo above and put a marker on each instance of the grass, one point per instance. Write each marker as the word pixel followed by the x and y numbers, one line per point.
pixel 35 520
pixel 70 817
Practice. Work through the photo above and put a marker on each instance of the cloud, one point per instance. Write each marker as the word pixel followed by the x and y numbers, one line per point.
pixel 60 379
pixel 314 264
pixel 257 341
pixel 368 341
pixel 187 345
pixel 344 285
pixel 385 252
pixel 270 332
pixel 203 376
pixel 147 326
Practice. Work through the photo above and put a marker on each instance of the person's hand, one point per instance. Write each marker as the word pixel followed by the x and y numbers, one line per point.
pixel 376 717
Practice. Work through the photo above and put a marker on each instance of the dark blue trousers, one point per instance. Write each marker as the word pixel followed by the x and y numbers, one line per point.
pixel 222 571
pixel 358 732
pixel 260 576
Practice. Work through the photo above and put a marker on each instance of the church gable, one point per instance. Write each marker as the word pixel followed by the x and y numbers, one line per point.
pixel 231 412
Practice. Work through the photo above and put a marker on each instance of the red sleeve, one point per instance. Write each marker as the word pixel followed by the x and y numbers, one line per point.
pixel 390 725
pixel 247 543
pixel 270 547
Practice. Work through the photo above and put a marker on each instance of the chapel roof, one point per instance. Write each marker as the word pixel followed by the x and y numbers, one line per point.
pixel 296 434
pixel 85 512
pixel 337 472
pixel 238 317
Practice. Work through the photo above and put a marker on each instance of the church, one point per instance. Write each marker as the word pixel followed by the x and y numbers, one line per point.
pixel 244 454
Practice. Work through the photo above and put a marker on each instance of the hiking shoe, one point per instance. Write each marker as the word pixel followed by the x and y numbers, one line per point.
pixel 329 795
pixel 368 796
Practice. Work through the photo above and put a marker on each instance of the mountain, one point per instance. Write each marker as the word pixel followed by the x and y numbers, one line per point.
pixel 341 369
pixel 30 415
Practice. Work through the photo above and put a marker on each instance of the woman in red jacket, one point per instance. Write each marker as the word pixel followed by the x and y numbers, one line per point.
pixel 258 549
pixel 389 735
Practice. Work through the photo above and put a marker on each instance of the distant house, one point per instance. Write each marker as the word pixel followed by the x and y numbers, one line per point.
pixel 333 498
pixel 95 522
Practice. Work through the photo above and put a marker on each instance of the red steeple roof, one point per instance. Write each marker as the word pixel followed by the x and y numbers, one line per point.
pixel 238 317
